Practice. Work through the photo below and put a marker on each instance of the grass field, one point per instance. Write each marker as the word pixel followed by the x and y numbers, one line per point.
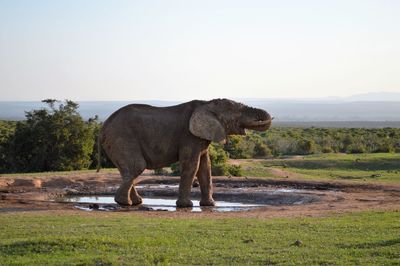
pixel 369 238
pixel 379 167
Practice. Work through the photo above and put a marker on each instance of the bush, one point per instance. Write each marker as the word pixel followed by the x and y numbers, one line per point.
pixel 52 139
pixel 355 148
pixel 235 170
pixel 234 147
pixel 160 171
pixel 261 150
pixel 327 149
pixel 219 170
pixel 306 146
pixel 385 147
pixel 218 156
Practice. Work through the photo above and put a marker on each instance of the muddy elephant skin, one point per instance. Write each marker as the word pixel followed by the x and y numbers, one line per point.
pixel 139 137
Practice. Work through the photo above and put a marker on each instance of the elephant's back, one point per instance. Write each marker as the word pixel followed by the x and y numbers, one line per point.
pixel 148 122
pixel 123 110
pixel 138 113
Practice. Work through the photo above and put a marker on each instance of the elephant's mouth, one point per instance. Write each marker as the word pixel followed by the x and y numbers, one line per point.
pixel 259 125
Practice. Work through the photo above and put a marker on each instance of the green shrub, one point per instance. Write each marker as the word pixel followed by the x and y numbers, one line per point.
pixel 306 146
pixel 160 171
pixel 52 139
pixel 327 149
pixel 218 156
pixel 355 148
pixel 219 169
pixel 261 150
pixel 235 170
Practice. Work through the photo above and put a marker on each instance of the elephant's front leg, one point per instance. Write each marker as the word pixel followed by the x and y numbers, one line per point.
pixel 189 166
pixel 204 177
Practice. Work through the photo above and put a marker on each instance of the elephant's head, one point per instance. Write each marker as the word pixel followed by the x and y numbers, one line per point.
pixel 221 117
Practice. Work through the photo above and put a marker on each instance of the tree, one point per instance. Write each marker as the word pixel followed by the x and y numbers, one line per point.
pixel 52 139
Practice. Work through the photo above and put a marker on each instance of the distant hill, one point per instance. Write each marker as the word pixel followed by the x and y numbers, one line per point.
pixel 285 111
pixel 375 96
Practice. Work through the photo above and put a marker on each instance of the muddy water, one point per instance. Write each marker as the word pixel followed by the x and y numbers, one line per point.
pixel 163 198
pixel 161 204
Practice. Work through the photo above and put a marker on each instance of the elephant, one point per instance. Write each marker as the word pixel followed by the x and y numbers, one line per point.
pixel 138 137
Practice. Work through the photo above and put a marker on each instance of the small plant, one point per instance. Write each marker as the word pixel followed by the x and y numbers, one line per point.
pixel 160 171
pixel 235 170
pixel 219 170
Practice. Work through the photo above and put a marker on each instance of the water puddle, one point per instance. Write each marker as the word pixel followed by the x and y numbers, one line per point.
pixel 156 186
pixel 162 197
pixel 106 203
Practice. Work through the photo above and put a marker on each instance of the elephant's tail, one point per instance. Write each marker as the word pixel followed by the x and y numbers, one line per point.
pixel 98 153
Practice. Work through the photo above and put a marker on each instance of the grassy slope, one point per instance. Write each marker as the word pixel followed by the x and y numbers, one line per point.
pixel 101 239
pixel 377 167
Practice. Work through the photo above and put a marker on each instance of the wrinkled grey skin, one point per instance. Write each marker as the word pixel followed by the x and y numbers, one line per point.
pixel 139 137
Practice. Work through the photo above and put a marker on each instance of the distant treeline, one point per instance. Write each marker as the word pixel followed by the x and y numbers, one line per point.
pixel 338 124
pixel 302 141
pixel 57 138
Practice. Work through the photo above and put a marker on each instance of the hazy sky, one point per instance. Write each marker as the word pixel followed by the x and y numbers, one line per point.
pixel 127 50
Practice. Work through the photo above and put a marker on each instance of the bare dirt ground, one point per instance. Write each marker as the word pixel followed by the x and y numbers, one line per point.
pixel 40 194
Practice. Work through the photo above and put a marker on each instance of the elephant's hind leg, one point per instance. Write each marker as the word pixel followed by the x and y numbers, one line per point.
pixel 126 193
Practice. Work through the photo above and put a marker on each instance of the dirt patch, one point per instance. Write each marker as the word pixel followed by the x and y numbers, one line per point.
pixel 338 197
pixel 59 182
pixel 35 183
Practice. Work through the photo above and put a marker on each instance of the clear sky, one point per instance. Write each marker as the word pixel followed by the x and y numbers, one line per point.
pixel 178 50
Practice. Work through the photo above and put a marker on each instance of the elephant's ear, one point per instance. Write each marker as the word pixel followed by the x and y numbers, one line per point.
pixel 204 124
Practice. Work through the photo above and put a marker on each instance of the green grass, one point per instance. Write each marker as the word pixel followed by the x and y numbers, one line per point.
pixel 369 238
pixel 379 167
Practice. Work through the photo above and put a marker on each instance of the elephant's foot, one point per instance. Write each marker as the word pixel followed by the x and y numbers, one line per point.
pixel 136 200
pixel 123 201
pixel 122 196
pixel 184 203
pixel 207 202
